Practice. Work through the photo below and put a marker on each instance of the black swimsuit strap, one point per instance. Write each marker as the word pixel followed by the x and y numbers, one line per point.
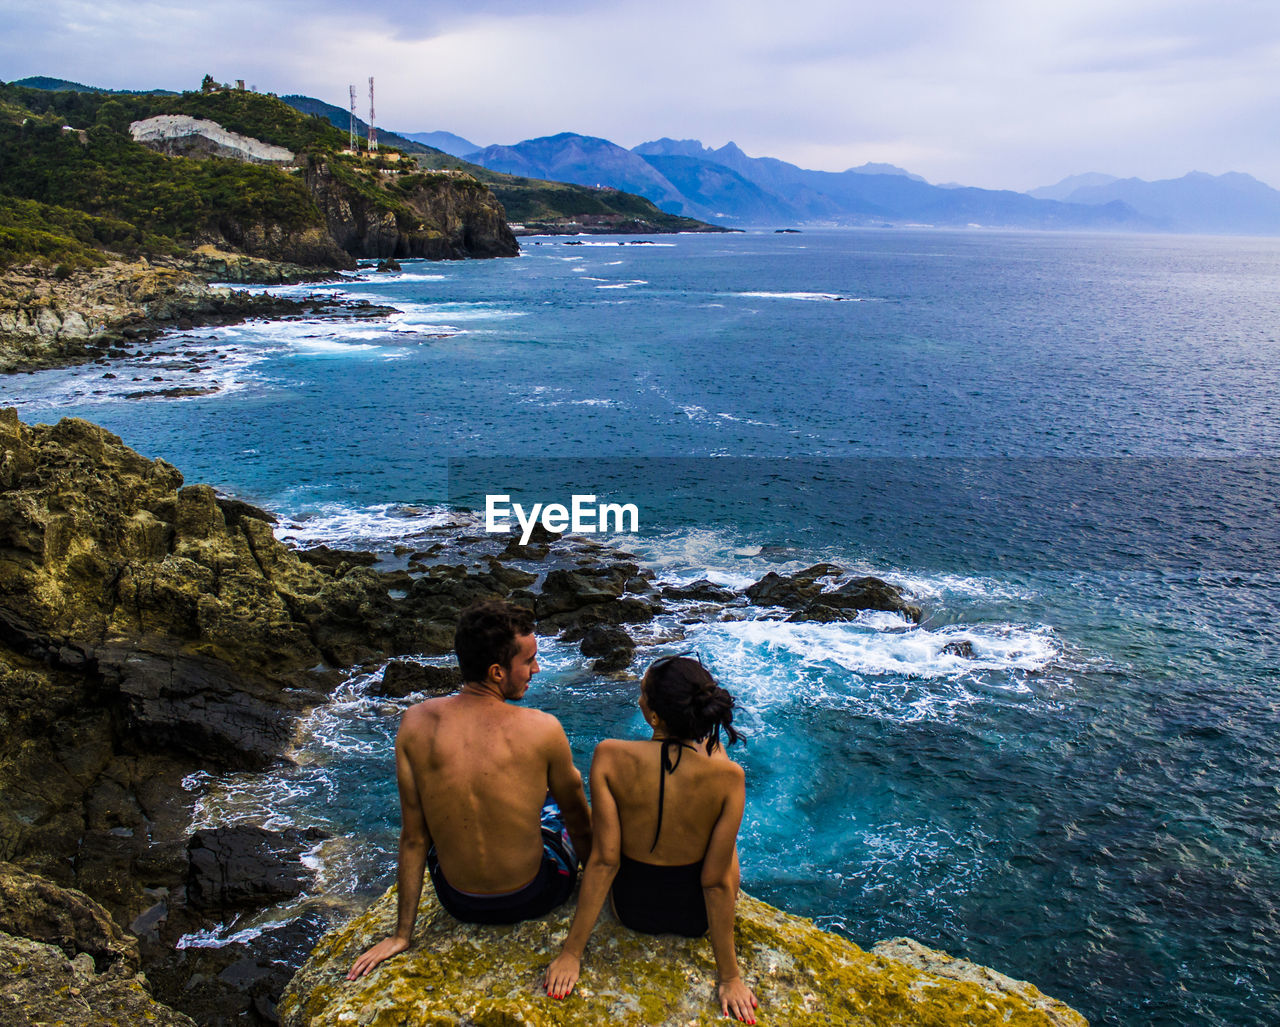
pixel 666 766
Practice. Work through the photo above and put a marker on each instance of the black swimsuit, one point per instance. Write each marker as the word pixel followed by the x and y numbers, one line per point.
pixel 657 899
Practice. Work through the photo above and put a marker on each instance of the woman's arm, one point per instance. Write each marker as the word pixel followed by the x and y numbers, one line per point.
pixel 720 890
pixel 602 867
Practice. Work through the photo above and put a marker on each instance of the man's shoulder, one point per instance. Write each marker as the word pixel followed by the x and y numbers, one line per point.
pixel 536 720
pixel 421 715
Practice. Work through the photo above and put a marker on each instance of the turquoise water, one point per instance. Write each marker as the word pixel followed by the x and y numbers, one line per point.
pixel 1062 445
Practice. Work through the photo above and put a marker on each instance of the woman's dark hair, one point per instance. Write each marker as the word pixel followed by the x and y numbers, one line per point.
pixel 685 696
pixel 487 634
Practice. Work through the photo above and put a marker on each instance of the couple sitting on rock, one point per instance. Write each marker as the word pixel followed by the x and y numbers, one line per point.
pixel 474 773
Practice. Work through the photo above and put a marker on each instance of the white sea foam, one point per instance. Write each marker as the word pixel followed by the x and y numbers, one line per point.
pixel 747 420
pixel 378 526
pixel 811 296
pixel 880 645
pixel 223 362
pixel 888 670
pixel 624 285
pixel 216 938
pixel 320 346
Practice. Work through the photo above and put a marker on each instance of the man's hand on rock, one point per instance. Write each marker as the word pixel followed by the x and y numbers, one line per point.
pixel 737 1000
pixel 562 975
pixel 385 949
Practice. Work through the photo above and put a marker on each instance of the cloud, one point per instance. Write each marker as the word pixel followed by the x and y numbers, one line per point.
pixel 988 92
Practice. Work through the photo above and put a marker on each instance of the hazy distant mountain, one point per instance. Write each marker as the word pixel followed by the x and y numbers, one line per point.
pixel 586 160
pixel 721 193
pixel 796 199
pixel 1230 204
pixel 882 169
pixel 446 142
pixel 1064 189
pixel 874 194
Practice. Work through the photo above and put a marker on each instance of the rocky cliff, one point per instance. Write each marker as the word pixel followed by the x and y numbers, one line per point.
pixel 489 976
pixel 148 628
pixel 437 215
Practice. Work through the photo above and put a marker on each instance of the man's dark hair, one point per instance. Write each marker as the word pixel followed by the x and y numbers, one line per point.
pixel 487 634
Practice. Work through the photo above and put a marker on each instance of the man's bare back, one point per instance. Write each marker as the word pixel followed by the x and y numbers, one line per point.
pixel 482 769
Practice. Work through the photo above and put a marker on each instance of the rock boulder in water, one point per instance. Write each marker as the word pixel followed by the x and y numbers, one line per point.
pixel 610 645
pixel 245 867
pixel 403 678
pixel 466 974
pixel 804 594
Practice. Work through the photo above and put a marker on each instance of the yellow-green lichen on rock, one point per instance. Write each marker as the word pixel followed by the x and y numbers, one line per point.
pixel 491 977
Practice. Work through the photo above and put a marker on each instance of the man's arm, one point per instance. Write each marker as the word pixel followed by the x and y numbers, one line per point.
pixel 565 784
pixel 415 840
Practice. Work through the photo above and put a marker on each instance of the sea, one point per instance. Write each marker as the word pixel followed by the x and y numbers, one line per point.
pixel 1063 446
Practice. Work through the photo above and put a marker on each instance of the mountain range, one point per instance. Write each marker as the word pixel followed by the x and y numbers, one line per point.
pixel 1230 204
pixel 683 178
pixel 726 186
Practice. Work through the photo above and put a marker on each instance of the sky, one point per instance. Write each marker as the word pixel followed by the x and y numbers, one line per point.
pixel 1009 94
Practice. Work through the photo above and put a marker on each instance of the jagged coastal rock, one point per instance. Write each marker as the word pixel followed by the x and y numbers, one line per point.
pixel 48 321
pixel 150 628
pixel 489 976
pixel 64 961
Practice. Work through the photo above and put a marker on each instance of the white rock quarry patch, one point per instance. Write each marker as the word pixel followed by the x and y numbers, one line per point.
pixel 165 127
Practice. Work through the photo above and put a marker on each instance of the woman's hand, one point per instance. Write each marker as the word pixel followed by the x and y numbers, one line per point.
pixel 562 975
pixel 737 1000
pixel 385 949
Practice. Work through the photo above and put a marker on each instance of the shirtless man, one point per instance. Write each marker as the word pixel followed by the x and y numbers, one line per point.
pixel 474 772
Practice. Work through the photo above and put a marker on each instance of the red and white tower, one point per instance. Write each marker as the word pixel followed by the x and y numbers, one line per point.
pixel 373 132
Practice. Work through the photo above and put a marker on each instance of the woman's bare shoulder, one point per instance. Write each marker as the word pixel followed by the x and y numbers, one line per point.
pixel 725 768
pixel 616 749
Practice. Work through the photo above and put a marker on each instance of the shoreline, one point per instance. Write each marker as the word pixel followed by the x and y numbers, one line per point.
pixel 165 708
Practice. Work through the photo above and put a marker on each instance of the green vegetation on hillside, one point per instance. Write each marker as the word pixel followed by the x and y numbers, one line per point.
pixel 532 200
pixel 103 173
pixel 88 186
pixel 75 186
pixel 54 235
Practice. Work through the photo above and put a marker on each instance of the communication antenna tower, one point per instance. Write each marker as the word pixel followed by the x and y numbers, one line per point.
pixel 353 141
pixel 373 132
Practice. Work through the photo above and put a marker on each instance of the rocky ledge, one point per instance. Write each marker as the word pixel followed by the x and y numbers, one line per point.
pixel 51 321
pixel 489 976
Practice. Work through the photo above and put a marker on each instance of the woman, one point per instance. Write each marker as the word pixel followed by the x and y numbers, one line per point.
pixel 665 815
